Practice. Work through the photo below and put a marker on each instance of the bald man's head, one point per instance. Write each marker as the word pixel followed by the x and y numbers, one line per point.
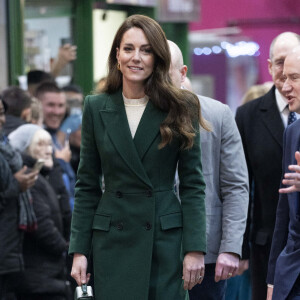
pixel 280 47
pixel 285 37
pixel 177 69
pixel 291 86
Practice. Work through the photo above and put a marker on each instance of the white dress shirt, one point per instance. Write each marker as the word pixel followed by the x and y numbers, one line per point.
pixel 282 107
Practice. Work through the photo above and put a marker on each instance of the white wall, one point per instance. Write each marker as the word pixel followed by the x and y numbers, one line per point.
pixel 54 29
pixel 103 35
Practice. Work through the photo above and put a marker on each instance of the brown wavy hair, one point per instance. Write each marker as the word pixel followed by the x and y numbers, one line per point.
pixel 183 107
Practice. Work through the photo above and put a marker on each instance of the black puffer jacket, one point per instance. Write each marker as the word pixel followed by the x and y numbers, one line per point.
pixel 45 249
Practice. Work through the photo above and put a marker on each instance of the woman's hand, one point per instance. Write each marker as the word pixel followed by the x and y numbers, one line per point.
pixel 64 154
pixel 26 180
pixel 79 268
pixel 270 293
pixel 193 269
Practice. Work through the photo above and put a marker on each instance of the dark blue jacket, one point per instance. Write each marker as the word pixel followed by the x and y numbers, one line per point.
pixel 284 263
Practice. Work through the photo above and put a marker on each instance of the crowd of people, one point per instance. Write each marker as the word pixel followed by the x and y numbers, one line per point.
pixel 40 141
pixel 170 196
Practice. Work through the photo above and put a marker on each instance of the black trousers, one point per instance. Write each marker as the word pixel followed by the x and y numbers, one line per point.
pixel 259 259
pixel 209 289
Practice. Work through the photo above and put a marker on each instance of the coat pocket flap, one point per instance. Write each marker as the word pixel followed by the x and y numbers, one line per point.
pixel 101 222
pixel 171 221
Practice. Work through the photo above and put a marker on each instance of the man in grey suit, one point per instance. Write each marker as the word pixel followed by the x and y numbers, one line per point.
pixel 226 176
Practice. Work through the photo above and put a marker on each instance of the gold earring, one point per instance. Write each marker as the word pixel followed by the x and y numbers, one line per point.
pixel 118 66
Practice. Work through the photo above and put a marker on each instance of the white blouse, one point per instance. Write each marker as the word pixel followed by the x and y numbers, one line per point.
pixel 134 111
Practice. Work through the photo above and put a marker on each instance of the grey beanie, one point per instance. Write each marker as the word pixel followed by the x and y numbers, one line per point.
pixel 20 138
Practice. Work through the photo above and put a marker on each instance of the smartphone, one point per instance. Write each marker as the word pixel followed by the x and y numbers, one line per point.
pixel 64 41
pixel 38 165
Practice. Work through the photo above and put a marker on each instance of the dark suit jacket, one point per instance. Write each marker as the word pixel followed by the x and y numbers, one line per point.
pixel 261 130
pixel 284 264
pixel 137 226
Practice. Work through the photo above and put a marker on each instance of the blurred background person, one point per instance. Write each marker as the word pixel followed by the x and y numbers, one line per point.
pixel 19 108
pixel 256 91
pixel 70 131
pixel 36 112
pixel 100 85
pixel 35 78
pixel 66 54
pixel 53 101
pixel 74 96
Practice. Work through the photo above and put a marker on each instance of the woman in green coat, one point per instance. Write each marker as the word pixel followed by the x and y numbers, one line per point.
pixel 145 243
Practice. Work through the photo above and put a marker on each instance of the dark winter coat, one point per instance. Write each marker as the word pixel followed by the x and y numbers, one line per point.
pixel 44 250
pixel 10 235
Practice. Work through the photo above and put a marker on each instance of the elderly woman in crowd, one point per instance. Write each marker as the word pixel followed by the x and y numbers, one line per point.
pixel 16 213
pixel 45 248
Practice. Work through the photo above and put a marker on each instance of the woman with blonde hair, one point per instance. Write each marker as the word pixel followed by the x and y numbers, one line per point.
pixel 145 243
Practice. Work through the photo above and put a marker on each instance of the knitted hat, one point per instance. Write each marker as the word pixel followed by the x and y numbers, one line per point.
pixel 20 138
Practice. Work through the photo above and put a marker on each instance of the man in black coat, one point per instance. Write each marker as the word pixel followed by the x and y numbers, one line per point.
pixel 261 124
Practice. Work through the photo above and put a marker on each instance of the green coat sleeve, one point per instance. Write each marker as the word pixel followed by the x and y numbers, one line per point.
pixel 192 195
pixel 88 189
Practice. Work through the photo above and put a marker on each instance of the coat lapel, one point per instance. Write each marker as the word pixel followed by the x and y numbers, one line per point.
pixel 271 116
pixel 148 128
pixel 115 120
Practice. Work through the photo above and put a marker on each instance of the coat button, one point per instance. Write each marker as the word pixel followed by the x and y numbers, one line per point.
pixel 148 226
pixel 120 226
pixel 119 194
pixel 149 193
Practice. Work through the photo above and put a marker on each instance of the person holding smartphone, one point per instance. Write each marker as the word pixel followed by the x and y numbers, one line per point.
pixel 47 245
pixel 16 214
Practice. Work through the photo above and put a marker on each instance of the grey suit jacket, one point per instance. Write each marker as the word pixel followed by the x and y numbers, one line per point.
pixel 226 176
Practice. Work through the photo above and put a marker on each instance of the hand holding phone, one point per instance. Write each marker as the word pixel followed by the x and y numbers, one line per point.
pixel 38 165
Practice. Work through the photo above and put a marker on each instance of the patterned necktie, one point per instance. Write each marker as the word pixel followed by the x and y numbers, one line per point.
pixel 292 118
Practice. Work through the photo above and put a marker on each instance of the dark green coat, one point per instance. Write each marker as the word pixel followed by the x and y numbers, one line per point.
pixel 138 229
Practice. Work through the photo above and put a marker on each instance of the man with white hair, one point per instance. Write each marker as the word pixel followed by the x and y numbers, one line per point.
pixel 226 177
pixel 284 263
pixel 261 123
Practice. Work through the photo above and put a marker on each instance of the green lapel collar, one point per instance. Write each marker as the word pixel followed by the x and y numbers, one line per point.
pixel 115 120
pixel 148 128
